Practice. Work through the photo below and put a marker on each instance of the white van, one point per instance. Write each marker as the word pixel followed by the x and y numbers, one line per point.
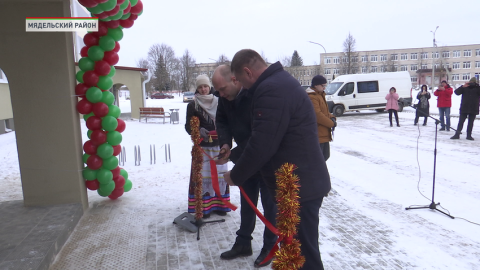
pixel 367 91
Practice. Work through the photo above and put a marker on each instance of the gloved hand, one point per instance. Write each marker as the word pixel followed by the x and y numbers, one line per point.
pixel 334 122
pixel 204 134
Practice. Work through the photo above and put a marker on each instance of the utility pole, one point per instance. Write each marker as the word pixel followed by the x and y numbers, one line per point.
pixel 433 58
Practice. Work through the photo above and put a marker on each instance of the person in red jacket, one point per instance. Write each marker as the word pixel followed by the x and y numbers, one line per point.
pixel 444 102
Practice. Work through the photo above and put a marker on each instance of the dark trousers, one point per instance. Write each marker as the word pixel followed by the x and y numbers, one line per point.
pixel 471 119
pixel 390 115
pixel 419 114
pixel 325 148
pixel 248 217
pixel 308 234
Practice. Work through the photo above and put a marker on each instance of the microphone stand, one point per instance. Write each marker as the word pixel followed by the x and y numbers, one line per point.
pixel 432 205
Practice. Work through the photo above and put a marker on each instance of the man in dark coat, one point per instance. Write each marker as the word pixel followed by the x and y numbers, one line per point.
pixel 233 121
pixel 468 108
pixel 284 129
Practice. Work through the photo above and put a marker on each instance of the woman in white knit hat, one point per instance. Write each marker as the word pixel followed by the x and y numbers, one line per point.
pixel 204 106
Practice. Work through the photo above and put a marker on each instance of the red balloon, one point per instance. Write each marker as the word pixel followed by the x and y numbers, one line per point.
pixel 112 197
pixel 90 40
pixel 111 57
pixel 84 51
pixel 127 9
pixel 94 162
pixel 100 1
pixel 89 147
pixel 121 125
pixel 90 78
pixel 133 17
pixel 116 193
pixel 126 23
pixel 116 150
pixel 114 11
pixel 84 106
pixel 119 181
pixel 92 185
pixel 112 24
pixel 102 15
pixel 137 8
pixel 100 109
pixel 102 29
pixel 88 3
pixel 98 137
pixel 81 89
pixel 117 47
pixel 116 171
pixel 102 68
pixel 94 123
pixel 119 2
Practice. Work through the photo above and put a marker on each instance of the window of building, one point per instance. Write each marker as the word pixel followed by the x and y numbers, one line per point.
pixel 364 58
pixel 413 79
pixel 335 71
pixel 467 53
pixel 456 54
pixel 446 54
pixel 373 69
pixel 447 65
pixel 367 87
pixel 437 66
pixel 404 56
pixel 373 58
pixel 354 59
pixel 456 77
pixel 466 64
pixel 383 57
pixel 413 67
pixel 364 69
pixel 328 60
pixel 336 60
pixel 395 68
pixel 466 76
pixel 456 65
pixel 477 52
pixel 327 71
pixel 382 69
pixel 195 75
pixel 413 56
pixel 424 55
pixel 435 55
pixel 477 65
pixel 394 57
pixel 424 66
pixel 404 68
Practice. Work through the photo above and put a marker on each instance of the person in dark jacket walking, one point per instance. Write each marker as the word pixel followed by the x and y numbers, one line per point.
pixel 233 121
pixel 423 106
pixel 444 103
pixel 284 129
pixel 468 108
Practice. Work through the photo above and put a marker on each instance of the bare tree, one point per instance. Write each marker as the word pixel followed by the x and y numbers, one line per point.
pixel 389 65
pixel 285 61
pixel 264 57
pixel 222 59
pixel 187 63
pixel 143 63
pixel 349 61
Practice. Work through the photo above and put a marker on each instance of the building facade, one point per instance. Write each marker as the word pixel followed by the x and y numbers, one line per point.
pixel 456 64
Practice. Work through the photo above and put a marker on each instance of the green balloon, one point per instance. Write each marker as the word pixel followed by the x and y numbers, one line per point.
pixel 128 186
pixel 86 116
pixel 104 176
pixel 115 33
pixel 95 10
pixel 95 53
pixel 124 5
pixel 133 2
pixel 85 157
pixel 126 16
pixel 109 5
pixel 105 150
pixel 107 188
pixel 117 16
pixel 108 98
pixel 106 43
pixel 110 163
pixel 112 72
pixel 89 133
pixel 94 94
pixel 114 111
pixel 121 27
pixel 124 173
pixel 80 75
pixel 114 138
pixel 106 19
pixel 89 174
pixel 103 193
pixel 105 82
pixel 140 13
pixel 109 123
pixel 86 64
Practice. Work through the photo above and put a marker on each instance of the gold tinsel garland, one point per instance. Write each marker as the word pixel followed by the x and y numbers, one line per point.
pixel 288 257
pixel 197 162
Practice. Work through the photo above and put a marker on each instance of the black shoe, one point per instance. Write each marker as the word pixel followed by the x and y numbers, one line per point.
pixel 391 125
pixel 237 251
pixel 220 213
pixel 206 215
pixel 455 137
pixel 263 254
pixel 442 129
pixel 424 124
pixel 398 125
pixel 470 138
pixel 414 124
pixel 448 129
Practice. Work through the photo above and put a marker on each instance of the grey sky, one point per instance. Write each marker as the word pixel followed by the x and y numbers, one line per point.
pixel 278 27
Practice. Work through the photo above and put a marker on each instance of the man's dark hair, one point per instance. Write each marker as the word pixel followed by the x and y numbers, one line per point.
pixel 246 57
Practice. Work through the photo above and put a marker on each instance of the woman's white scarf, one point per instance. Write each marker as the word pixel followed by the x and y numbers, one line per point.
pixel 208 103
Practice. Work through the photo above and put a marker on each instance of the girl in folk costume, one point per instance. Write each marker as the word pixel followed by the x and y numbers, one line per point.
pixel 204 106
pixel 392 105
pixel 423 106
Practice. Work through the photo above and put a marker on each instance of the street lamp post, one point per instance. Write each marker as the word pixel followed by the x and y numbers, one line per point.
pixel 323 49
pixel 433 58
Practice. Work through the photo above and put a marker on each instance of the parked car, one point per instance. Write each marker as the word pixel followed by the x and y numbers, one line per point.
pixel 188 96
pixel 161 96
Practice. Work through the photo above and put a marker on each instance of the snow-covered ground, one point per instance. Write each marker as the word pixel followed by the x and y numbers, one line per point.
pixel 375 168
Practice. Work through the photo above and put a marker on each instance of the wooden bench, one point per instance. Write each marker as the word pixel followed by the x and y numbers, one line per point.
pixel 153 112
